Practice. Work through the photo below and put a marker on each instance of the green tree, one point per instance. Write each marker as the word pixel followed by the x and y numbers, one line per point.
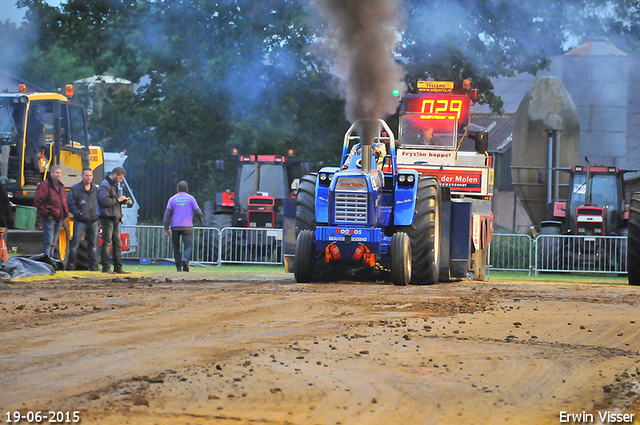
pixel 480 39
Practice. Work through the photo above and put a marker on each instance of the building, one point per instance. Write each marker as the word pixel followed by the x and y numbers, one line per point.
pixel 602 81
pixel 10 83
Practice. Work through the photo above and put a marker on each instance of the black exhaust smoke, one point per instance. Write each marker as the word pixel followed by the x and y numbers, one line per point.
pixel 365 34
pixel 368 130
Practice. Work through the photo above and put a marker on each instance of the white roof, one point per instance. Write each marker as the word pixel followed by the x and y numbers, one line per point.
pixel 103 79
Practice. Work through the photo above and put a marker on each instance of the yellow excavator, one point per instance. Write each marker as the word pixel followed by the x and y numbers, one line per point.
pixel 38 130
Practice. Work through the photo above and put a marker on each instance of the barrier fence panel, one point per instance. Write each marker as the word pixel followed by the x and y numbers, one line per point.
pixel 583 254
pixel 517 252
pixel 511 252
pixel 205 245
pixel 247 245
pixel 151 242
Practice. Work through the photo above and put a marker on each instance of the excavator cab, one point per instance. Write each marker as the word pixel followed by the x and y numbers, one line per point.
pixel 38 130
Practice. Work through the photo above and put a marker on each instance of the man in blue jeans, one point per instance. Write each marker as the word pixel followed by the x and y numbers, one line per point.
pixel 179 216
pixel 110 202
pixel 51 204
pixel 83 204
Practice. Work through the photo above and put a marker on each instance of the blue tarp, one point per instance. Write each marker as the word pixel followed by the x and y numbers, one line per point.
pixel 18 267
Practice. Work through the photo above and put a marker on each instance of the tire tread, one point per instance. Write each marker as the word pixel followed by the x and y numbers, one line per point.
pixel 306 204
pixel 422 233
pixel 633 248
pixel 305 256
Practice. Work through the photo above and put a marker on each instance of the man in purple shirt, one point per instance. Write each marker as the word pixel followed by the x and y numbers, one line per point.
pixel 179 216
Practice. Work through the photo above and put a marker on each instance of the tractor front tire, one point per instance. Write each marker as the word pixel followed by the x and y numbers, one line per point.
pixel 305 256
pixel 633 241
pixel 306 203
pixel 424 233
pixel 400 252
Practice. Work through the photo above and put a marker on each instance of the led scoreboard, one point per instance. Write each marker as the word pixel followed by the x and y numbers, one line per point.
pixel 438 106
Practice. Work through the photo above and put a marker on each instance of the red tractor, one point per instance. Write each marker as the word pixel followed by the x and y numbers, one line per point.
pixel 262 183
pixel 595 206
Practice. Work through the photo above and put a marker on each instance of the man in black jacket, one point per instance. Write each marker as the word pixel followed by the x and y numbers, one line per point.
pixel 110 202
pixel 83 204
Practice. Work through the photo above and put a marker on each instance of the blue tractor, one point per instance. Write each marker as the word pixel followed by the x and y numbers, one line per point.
pixel 382 217
pixel 420 212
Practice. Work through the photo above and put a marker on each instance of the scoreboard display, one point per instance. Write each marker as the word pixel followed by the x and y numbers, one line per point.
pixel 437 106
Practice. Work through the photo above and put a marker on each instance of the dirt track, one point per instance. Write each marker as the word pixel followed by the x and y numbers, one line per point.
pixel 163 350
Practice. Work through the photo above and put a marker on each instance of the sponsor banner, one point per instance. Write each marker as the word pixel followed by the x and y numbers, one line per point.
pixel 462 180
pixel 341 234
pixel 435 86
pixel 425 157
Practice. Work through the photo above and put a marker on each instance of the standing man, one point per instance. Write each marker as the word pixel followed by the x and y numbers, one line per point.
pixel 110 202
pixel 51 204
pixel 179 215
pixel 83 204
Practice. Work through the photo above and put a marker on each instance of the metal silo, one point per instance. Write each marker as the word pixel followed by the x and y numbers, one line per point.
pixel 545 112
pixel 596 75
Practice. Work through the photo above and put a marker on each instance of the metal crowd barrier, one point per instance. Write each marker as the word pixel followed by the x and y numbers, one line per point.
pixel 511 252
pixel 147 242
pixel 210 245
pixel 581 254
pixel 246 245
pixel 559 253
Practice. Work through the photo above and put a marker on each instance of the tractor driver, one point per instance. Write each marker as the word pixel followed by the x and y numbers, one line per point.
pixel 435 140
pixel 379 149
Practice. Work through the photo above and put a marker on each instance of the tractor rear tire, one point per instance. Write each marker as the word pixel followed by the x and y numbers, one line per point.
pixel 425 233
pixel 306 203
pixel 220 221
pixel 82 259
pixel 305 256
pixel 550 250
pixel 400 252
pixel 209 208
pixel 633 240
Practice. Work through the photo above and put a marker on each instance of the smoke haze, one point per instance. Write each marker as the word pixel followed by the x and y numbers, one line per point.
pixel 364 34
